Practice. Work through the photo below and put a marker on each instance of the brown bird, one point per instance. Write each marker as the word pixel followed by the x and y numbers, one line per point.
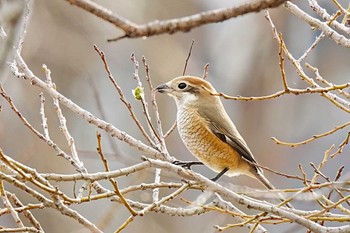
pixel 208 132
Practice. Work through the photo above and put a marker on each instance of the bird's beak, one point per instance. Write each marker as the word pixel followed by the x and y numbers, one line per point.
pixel 163 88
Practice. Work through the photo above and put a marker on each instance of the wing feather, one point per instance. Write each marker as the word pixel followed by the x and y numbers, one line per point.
pixel 235 142
pixel 227 132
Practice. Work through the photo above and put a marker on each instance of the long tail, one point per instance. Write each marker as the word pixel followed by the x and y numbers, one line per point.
pixel 260 176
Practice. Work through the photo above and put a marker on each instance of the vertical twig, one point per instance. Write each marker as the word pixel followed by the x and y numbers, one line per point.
pixel 122 97
pixel 8 205
pixel 116 150
pixel 188 58
pixel 144 103
pixel 43 117
pixel 205 72
pixel 63 122
pixel 26 213
pixel 281 63
pixel 183 73
pixel 155 195
pixel 113 182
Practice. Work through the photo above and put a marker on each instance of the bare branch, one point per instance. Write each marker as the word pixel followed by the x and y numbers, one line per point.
pixel 114 183
pixel 171 26
pixel 188 58
pixel 295 144
pixel 21 70
pixel 323 26
pixel 122 97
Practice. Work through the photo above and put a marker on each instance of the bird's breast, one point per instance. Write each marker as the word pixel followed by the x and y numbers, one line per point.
pixel 206 146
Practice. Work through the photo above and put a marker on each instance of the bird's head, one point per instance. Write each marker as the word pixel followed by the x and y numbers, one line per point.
pixel 188 90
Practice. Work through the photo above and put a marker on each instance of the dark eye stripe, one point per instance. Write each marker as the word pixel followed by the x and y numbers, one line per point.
pixel 193 90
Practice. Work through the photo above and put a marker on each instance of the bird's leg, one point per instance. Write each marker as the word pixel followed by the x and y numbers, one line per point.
pixel 219 174
pixel 187 164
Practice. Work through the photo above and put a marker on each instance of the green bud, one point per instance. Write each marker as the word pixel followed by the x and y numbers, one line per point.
pixel 138 93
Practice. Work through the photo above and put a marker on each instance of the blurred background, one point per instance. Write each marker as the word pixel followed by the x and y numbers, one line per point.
pixel 243 58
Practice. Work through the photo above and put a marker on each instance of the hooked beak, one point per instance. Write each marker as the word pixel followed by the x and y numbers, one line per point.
pixel 163 88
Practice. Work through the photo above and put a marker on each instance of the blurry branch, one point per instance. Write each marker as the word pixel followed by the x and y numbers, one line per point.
pixel 11 22
pixel 206 70
pixel 184 24
pixel 332 34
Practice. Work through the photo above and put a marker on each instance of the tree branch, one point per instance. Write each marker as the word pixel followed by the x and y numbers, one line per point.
pixel 170 26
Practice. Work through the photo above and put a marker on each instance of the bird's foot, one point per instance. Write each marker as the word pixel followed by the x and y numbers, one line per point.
pixel 219 174
pixel 187 164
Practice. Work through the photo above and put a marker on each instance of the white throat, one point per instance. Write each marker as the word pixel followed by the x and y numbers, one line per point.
pixel 187 99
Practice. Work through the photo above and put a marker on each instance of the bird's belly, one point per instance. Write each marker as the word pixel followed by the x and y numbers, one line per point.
pixel 207 147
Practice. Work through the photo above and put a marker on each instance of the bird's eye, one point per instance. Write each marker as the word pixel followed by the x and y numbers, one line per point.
pixel 182 85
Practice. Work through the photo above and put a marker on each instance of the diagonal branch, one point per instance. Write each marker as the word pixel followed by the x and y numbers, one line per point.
pixel 322 26
pixel 20 69
pixel 184 24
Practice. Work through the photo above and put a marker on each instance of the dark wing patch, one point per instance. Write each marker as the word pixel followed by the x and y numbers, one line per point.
pixel 221 136
pixel 234 142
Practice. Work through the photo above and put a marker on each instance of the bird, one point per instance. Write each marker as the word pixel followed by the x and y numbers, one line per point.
pixel 208 132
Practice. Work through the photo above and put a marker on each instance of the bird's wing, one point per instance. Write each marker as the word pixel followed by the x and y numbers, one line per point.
pixel 234 141
pixel 228 133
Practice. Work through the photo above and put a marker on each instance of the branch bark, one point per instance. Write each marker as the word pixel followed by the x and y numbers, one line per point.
pixel 170 26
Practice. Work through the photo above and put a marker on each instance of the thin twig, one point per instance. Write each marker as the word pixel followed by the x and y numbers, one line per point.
pixel 164 199
pixel 115 148
pixel 122 97
pixel 314 44
pixel 205 72
pixel 25 209
pixel 63 122
pixel 281 63
pixel 188 58
pixel 113 182
pixel 314 137
pixel 43 117
pixel 144 103
pixel 324 81
pixel 49 142
pixel 342 145
pixel 7 204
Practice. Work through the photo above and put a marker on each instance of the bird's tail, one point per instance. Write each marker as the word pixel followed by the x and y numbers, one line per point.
pixel 260 176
